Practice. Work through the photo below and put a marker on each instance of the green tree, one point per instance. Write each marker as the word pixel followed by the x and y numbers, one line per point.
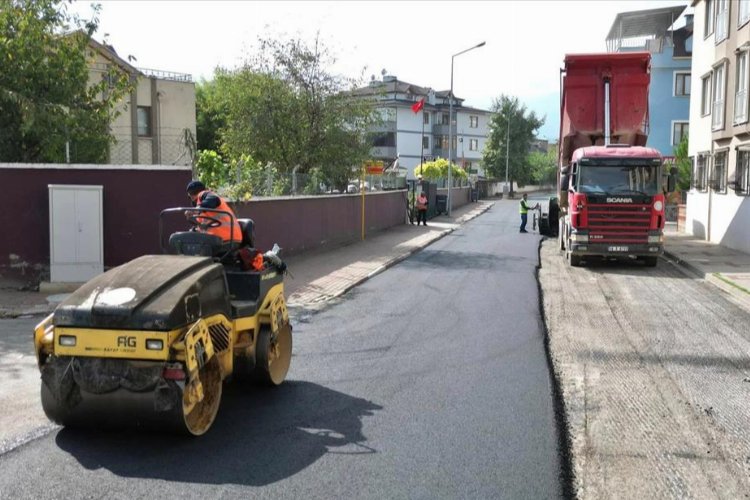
pixel 438 169
pixel 523 127
pixel 683 164
pixel 544 166
pixel 46 99
pixel 283 107
pixel 210 112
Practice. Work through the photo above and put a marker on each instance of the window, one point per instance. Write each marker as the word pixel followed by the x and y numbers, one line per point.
pixel 722 20
pixel 384 140
pixel 708 26
pixel 444 119
pixel 681 83
pixel 743 15
pixel 144 121
pixel 425 143
pixel 426 118
pixel 473 121
pixel 679 130
pixel 473 144
pixel 742 182
pixel 706 95
pixel 699 172
pixel 742 86
pixel 717 120
pixel 719 172
pixel 441 142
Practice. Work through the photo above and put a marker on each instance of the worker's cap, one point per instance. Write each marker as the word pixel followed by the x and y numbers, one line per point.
pixel 195 187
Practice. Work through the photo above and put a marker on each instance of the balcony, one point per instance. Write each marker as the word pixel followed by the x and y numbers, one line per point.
pixel 441 153
pixel 440 129
pixel 383 152
pixel 386 126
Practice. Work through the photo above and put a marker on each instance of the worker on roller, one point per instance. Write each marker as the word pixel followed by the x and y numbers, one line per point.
pixel 229 230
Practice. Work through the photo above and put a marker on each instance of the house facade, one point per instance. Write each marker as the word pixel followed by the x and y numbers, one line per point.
pixel 718 204
pixel 671 54
pixel 424 136
pixel 156 124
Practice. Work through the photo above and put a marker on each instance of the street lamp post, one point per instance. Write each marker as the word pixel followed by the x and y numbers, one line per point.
pixel 507 152
pixel 450 123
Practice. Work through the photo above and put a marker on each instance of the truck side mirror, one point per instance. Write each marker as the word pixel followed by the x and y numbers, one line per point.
pixel 564 182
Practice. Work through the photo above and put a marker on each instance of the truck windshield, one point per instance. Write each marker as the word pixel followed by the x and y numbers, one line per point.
pixel 630 179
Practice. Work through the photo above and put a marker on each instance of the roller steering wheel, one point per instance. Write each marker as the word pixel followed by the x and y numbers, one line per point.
pixel 204 221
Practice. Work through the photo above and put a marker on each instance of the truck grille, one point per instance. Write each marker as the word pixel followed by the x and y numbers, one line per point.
pixel 609 223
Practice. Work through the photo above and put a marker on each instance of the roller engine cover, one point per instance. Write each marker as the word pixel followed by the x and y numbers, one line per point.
pixel 153 292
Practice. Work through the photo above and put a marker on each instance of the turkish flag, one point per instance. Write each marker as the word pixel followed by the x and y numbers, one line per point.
pixel 418 105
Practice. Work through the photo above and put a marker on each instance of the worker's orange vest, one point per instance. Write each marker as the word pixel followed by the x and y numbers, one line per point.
pixel 224 231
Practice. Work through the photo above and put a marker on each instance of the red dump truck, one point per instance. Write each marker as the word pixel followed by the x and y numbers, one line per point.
pixel 610 200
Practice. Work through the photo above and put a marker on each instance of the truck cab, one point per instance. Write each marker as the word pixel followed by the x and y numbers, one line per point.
pixel 615 204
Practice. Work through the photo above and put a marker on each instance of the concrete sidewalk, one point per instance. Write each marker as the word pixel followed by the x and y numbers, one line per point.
pixel 719 265
pixel 316 277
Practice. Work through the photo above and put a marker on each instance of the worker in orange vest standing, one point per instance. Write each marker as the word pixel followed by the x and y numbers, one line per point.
pixel 422 208
pixel 228 229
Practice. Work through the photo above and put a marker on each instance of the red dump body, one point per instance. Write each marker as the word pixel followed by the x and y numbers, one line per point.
pixel 610 196
pixel 582 111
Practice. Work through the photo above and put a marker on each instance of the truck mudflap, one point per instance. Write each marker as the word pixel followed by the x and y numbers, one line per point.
pixel 617 250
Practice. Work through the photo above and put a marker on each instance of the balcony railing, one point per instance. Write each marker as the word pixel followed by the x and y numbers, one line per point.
pixel 167 75
pixel 383 152
pixel 740 107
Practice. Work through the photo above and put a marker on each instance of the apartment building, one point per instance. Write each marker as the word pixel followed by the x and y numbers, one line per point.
pixel 718 204
pixel 671 53
pixel 156 124
pixel 423 136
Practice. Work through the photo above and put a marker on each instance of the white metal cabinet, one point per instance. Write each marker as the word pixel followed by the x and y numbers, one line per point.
pixel 76 232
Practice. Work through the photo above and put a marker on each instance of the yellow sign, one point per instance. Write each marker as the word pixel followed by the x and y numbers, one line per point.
pixel 374 167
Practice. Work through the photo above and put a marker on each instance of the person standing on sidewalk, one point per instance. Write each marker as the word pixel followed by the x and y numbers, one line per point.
pixel 422 208
pixel 524 210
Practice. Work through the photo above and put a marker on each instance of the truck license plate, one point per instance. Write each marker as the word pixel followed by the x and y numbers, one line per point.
pixel 617 249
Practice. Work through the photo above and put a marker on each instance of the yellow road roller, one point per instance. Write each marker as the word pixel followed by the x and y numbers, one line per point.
pixel 149 344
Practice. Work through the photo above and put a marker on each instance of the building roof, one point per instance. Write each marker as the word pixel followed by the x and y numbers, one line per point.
pixel 395 85
pixel 639 23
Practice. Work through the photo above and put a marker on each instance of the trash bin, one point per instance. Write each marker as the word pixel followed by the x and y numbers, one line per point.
pixel 441 204
pixel 474 195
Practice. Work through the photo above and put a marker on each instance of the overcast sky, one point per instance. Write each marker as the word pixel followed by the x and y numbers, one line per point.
pixel 526 40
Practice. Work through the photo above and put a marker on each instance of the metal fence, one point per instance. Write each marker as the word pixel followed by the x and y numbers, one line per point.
pixel 272 183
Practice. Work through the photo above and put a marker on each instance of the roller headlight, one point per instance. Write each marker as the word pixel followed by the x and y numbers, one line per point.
pixel 658 206
pixel 67 340
pixel 154 344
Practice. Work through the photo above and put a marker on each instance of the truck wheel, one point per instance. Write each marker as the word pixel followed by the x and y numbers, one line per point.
pixel 650 261
pixel 561 236
pixel 573 260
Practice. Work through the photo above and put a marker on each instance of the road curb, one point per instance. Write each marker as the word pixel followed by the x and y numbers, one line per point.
pixel 723 283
